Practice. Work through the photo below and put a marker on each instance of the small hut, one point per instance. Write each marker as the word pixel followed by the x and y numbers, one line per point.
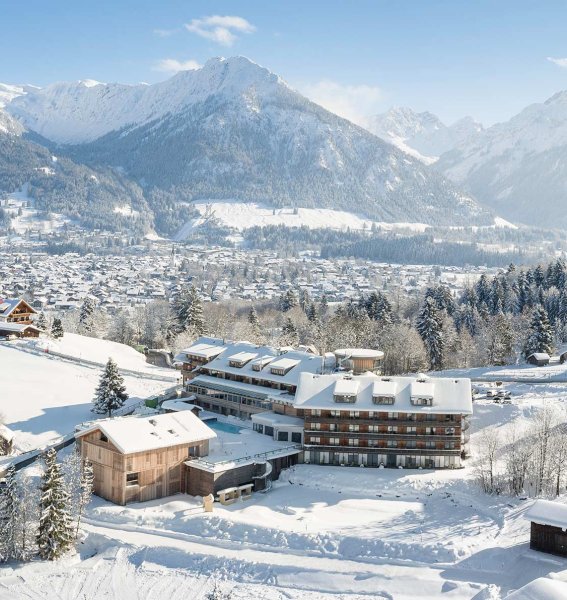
pixel 548 527
pixel 539 359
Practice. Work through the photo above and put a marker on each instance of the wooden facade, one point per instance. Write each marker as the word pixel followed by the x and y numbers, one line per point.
pixel 137 477
pixel 22 313
pixel 547 538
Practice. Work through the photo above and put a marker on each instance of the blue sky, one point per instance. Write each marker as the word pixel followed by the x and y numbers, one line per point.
pixel 487 59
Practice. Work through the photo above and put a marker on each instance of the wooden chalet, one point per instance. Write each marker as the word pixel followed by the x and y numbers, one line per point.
pixel 539 359
pixel 16 310
pixel 140 459
pixel 548 532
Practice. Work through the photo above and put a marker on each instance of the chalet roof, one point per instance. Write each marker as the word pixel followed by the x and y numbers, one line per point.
pixel 17 327
pixel 133 434
pixel 450 396
pixel 539 356
pixel 546 512
pixel 8 305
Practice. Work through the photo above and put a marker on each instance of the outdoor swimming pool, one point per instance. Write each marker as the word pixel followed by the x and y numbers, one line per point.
pixel 221 426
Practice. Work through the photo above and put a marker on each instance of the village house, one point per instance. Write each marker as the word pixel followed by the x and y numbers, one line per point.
pixel 16 318
pixel 139 459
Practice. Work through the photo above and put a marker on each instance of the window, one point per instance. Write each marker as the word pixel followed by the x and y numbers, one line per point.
pixel 449 445
pixel 355 414
pixel 132 479
pixel 353 442
pixel 283 436
pixel 392 415
pixel 315 440
pixel 411 444
pixel 316 413
pixel 383 399
pixel 373 429
pixel 392 444
pixel 411 429
pixel 392 429
pixel 335 413
pixel 450 430
pixel 373 442
pixel 353 427
pixel 345 398
pixel 269 430
pixel 102 437
pixel 334 441
pixel 332 427
pixel 417 401
pixel 430 445
pixel 296 437
pixel 316 426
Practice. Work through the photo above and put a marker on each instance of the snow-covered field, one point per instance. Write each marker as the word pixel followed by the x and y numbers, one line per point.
pixel 321 533
pixel 43 397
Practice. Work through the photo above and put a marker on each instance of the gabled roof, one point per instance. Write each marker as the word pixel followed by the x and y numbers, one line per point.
pixel 133 434
pixel 8 305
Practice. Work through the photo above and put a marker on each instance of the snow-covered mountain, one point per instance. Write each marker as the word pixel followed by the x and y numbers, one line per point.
pixel 234 130
pixel 422 135
pixel 518 167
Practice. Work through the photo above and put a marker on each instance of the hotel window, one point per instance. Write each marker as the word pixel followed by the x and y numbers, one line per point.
pixel 411 429
pixel 430 445
pixel 332 427
pixel 373 429
pixel 450 430
pixel 392 415
pixel 411 444
pixel 334 441
pixel 353 427
pixel 449 445
pixel 372 442
pixel 392 429
pixel 132 479
pixel 316 426
pixel 353 442
pixel 315 440
pixel 316 413
pixel 383 399
pixel 335 413
pixel 355 414
pixel 392 444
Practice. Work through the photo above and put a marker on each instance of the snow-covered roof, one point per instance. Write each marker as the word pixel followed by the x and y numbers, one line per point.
pixel 422 388
pixel 132 434
pixel 276 420
pixel 346 387
pixel 180 405
pixel 450 396
pixel 539 356
pixel 359 353
pixel 16 327
pixel 8 305
pixel 546 512
pixel 204 347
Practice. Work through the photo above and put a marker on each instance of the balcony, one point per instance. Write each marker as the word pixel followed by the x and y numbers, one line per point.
pixel 385 422
pixel 365 450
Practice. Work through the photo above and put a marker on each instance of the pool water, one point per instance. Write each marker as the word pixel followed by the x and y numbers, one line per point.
pixel 221 426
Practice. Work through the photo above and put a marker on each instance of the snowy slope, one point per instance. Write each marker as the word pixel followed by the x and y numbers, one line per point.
pixel 234 130
pixel 518 167
pixel 423 135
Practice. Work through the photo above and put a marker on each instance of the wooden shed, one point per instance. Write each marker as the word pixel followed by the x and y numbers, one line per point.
pixel 139 459
pixel 539 359
pixel 548 527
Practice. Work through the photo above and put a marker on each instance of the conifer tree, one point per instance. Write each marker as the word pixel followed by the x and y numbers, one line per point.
pixel 86 486
pixel 55 533
pixel 195 320
pixel 110 393
pixel 42 322
pixel 430 328
pixel 9 517
pixel 289 335
pixel 57 329
pixel 86 316
pixel 540 335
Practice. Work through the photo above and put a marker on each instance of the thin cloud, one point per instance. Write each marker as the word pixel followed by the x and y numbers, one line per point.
pixel 353 102
pixel 560 62
pixel 223 30
pixel 172 65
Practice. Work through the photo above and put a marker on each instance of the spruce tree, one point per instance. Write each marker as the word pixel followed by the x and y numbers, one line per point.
pixel 540 335
pixel 289 335
pixel 57 329
pixel 110 393
pixel 195 320
pixel 86 486
pixel 42 322
pixel 430 328
pixel 55 533
pixel 9 517
pixel 86 316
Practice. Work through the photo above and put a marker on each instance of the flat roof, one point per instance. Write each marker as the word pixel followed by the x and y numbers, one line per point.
pixel 359 353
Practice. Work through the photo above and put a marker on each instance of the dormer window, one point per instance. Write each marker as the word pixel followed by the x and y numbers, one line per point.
pixel 345 398
pixel 383 399
pixel 421 401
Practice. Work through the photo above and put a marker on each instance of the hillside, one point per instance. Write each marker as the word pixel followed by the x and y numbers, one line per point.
pixel 519 167
pixel 233 130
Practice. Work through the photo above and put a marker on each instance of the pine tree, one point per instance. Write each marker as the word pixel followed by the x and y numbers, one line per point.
pixel 288 301
pixel 86 316
pixel 42 322
pixel 289 335
pixel 55 533
pixel 195 320
pixel 312 313
pixel 85 491
pixel 110 393
pixel 9 517
pixel 540 335
pixel 430 328
pixel 500 346
pixel 57 329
